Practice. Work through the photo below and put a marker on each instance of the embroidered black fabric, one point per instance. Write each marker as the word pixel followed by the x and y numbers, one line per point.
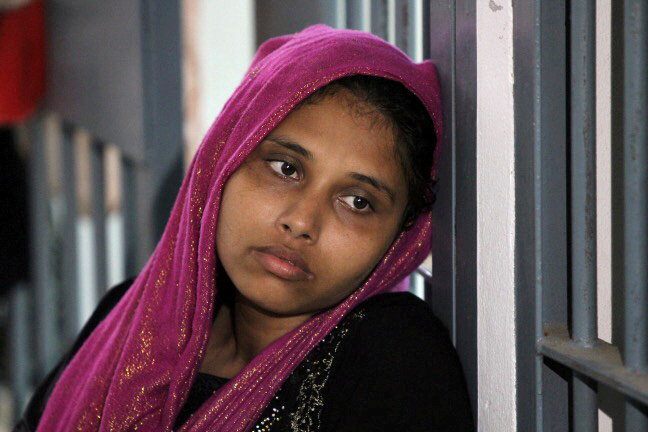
pixel 388 366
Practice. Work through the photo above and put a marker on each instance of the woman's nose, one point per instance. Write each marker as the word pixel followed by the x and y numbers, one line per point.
pixel 301 219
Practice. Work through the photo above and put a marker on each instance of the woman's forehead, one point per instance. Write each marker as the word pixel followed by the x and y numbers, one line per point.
pixel 338 124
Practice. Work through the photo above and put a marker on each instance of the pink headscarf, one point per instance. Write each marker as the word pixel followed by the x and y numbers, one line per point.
pixel 135 370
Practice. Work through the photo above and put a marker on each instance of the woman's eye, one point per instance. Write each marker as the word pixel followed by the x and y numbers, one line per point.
pixel 357 203
pixel 284 168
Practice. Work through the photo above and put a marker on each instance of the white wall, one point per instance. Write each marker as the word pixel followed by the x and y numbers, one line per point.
pixel 603 180
pixel 495 217
pixel 218 44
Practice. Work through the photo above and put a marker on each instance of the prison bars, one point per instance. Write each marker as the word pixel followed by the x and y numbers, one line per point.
pixel 583 202
pixel 591 359
pixel 635 184
pixel 56 294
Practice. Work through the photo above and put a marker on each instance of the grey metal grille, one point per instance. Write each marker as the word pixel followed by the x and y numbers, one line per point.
pixel 556 203
pixel 142 114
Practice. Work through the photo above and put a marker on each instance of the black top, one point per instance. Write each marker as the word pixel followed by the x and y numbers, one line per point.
pixel 203 387
pixel 387 366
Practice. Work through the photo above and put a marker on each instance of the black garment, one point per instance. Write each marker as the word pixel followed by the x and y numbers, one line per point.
pixel 388 366
pixel 201 390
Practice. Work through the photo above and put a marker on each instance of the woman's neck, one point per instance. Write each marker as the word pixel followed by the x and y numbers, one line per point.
pixel 241 331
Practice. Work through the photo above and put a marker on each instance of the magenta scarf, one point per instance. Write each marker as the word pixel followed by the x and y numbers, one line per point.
pixel 135 370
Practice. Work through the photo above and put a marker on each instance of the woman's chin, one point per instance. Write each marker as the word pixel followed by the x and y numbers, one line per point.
pixel 276 300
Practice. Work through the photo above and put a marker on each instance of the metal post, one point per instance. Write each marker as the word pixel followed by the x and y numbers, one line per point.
pixel 635 185
pixel 378 13
pixel 359 14
pixel 583 202
pixel 391 21
pixel 129 213
pixel 418 44
pixel 43 289
pixel 417 285
pixel 401 24
pixel 537 210
pixel 69 238
pixel 99 215
pixel 340 14
pixel 21 360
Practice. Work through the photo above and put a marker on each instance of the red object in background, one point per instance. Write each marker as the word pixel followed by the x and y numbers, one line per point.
pixel 22 61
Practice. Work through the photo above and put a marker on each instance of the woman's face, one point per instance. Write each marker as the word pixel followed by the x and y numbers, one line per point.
pixel 312 210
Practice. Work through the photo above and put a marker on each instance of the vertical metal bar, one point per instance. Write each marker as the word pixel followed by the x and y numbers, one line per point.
pixel 585 414
pixel 391 21
pixel 537 207
pixel 378 13
pixel 69 238
pixel 340 14
pixel 20 341
pixel 452 293
pixel 540 41
pixel 43 289
pixel 635 185
pixel 159 179
pixel 365 15
pixel 418 18
pixel 99 215
pixel 583 172
pixel 359 14
pixel 129 216
pixel 417 285
pixel 583 201
pixel 401 24
pixel 444 246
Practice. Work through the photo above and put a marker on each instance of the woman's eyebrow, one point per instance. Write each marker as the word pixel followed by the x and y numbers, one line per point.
pixel 377 184
pixel 291 145
pixel 297 148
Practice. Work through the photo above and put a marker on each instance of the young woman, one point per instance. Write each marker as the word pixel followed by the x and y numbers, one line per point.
pixel 268 303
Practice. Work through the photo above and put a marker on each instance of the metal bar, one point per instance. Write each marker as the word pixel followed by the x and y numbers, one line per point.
pixel 537 210
pixel 584 397
pixel 418 44
pixel 635 185
pixel 401 24
pixel 340 14
pixel 583 201
pixel 160 177
pixel 600 362
pixel 391 21
pixel 462 101
pixel 43 289
pixel 21 360
pixel 425 273
pixel 70 291
pixel 417 285
pixel 378 15
pixel 365 15
pixel 99 215
pixel 358 14
pixel 583 172
pixel 129 216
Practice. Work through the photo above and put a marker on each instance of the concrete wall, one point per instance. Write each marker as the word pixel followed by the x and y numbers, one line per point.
pixel 218 45
pixel 603 193
pixel 495 217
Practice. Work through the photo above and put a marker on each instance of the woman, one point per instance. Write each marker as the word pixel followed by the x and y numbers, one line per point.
pixel 266 303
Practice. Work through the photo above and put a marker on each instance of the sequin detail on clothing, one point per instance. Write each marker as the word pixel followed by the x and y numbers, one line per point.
pixel 311 376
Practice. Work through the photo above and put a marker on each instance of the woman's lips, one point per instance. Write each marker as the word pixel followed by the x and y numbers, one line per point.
pixel 283 263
